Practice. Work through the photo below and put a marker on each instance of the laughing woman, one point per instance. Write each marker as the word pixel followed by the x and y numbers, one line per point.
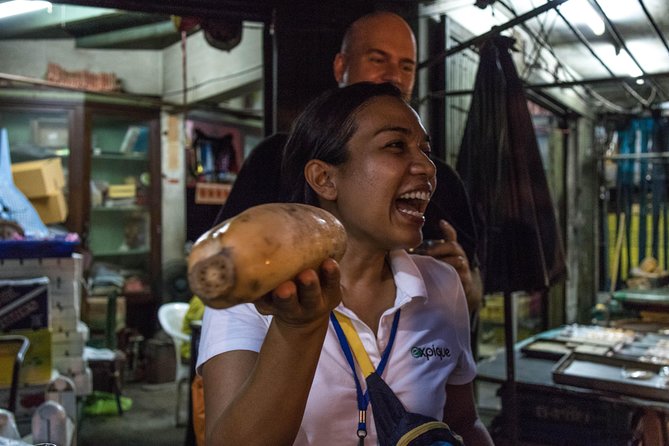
pixel 275 372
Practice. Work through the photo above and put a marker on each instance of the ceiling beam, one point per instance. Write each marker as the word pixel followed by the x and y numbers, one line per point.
pixel 138 37
pixel 36 24
pixel 550 4
pixel 256 10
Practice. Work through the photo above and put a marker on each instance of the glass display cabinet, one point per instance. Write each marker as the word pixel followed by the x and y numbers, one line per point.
pixel 109 147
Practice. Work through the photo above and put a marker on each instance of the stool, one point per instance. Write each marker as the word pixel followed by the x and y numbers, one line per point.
pixel 107 367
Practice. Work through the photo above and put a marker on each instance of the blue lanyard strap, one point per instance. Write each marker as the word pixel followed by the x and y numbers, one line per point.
pixel 363 398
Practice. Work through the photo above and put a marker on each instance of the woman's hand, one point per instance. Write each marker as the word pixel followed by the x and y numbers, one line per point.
pixel 307 298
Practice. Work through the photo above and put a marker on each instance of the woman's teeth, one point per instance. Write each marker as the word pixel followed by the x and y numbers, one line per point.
pixel 411 212
pixel 424 196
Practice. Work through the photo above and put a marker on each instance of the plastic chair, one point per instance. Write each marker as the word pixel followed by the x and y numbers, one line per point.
pixel 171 317
pixel 15 346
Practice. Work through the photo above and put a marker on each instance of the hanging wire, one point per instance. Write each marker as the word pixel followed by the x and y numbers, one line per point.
pixel 579 35
pixel 542 41
pixel 654 25
pixel 621 42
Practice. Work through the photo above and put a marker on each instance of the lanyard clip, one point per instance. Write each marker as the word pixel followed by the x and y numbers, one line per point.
pixel 362 426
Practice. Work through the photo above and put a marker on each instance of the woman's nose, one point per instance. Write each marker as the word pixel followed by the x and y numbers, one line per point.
pixel 423 165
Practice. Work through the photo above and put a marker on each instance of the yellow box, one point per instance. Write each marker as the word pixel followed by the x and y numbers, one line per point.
pixel 122 191
pixel 51 209
pixel 36 368
pixel 39 178
pixel 493 310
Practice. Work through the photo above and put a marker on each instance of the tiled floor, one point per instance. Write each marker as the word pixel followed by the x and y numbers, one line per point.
pixel 150 422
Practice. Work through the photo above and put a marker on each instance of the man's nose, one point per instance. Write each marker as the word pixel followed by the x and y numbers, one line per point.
pixel 392 74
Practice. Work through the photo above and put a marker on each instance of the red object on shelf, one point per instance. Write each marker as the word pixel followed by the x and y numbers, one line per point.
pixel 212 193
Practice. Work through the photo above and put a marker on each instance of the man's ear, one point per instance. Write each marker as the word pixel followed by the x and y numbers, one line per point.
pixel 320 176
pixel 339 67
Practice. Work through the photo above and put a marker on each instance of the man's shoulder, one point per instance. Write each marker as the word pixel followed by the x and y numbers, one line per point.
pixel 269 145
pixel 445 172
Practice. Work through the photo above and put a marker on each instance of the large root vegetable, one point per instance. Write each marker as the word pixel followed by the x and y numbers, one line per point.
pixel 248 255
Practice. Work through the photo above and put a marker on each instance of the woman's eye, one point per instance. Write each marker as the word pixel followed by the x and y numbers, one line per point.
pixel 427 150
pixel 396 145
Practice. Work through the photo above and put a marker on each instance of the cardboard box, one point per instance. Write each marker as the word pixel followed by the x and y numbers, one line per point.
pixel 70 365
pixel 24 304
pixel 83 382
pixel 61 271
pixel 122 191
pixel 29 399
pixel 96 313
pixel 64 320
pixel 65 277
pixel 51 209
pixel 37 364
pixel 41 178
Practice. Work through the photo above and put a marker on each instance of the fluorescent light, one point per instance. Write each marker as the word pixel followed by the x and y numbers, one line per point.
pixel 620 63
pixel 581 12
pixel 16 7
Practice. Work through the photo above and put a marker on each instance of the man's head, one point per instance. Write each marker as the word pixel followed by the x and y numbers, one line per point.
pixel 378 47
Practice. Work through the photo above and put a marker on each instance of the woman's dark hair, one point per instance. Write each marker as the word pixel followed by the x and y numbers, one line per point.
pixel 322 132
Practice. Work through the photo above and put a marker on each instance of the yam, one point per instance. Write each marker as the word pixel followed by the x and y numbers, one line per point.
pixel 248 255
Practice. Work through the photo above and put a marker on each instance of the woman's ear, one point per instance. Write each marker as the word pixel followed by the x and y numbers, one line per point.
pixel 320 176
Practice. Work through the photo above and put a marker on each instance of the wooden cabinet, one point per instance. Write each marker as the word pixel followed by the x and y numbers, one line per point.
pixel 109 147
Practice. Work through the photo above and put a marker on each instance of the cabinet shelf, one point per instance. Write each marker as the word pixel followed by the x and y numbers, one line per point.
pixel 135 208
pixel 120 156
pixel 119 253
pixel 102 143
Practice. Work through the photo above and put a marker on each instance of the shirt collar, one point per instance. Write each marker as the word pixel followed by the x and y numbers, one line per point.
pixel 408 279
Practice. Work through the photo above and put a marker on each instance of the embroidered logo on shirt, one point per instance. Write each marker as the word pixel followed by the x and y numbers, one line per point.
pixel 430 352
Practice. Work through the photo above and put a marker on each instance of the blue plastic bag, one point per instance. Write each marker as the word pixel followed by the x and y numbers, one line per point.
pixel 14 206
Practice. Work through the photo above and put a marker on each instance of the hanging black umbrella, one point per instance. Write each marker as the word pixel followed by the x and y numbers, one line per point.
pixel 500 164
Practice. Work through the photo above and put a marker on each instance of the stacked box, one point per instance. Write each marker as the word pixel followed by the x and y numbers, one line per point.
pixel 40 178
pixel 37 365
pixel 24 310
pixel 29 399
pixel 67 333
pixel 24 304
pixel 68 353
pixel 42 181
pixel 65 278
